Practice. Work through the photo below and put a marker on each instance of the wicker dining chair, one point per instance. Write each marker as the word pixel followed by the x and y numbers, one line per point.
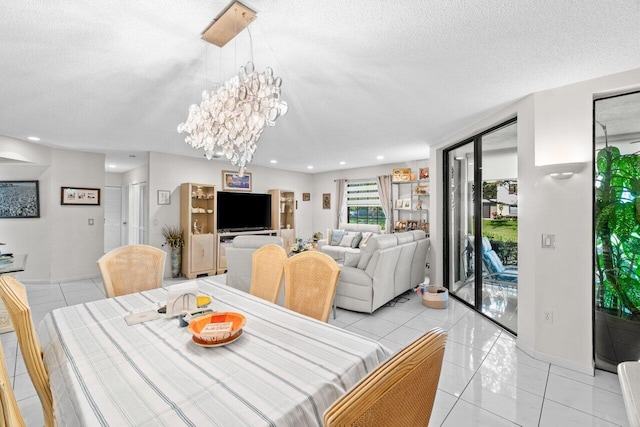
pixel 400 392
pixel 10 415
pixel 15 300
pixel 310 280
pixel 267 271
pixel 131 268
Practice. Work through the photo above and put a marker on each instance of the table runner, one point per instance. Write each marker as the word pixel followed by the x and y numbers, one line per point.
pixel 285 369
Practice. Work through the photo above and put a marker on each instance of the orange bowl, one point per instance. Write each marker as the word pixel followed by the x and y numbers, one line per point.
pixel 216 327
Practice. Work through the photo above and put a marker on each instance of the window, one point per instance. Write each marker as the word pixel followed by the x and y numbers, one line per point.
pixel 363 203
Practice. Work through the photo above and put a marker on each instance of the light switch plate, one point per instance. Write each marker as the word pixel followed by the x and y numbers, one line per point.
pixel 548 241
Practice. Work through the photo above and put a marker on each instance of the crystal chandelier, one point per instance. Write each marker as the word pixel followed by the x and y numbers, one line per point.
pixel 233 115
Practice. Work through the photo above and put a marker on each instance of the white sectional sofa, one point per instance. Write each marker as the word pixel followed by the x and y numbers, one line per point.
pixel 240 261
pixel 387 266
pixel 339 252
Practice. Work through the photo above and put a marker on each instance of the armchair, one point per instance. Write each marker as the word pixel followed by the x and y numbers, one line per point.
pixel 493 270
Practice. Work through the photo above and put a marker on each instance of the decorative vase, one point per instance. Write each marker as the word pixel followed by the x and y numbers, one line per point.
pixel 176 261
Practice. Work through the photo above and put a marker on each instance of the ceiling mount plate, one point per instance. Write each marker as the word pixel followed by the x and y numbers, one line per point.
pixel 235 18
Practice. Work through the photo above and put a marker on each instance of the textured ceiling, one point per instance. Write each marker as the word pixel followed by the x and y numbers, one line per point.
pixel 362 78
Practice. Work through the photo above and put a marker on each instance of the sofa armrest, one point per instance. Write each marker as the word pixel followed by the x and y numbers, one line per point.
pixel 322 242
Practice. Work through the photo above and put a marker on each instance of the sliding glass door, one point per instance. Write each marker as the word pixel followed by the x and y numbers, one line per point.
pixel 481 220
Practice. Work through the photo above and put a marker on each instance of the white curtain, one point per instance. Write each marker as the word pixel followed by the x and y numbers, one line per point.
pixel 341 202
pixel 384 192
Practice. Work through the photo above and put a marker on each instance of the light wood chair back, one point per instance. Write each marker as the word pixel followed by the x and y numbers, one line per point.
pixel 400 392
pixel 10 415
pixel 310 280
pixel 267 271
pixel 132 268
pixel 15 300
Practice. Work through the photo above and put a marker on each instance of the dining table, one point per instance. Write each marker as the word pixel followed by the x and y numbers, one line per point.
pixel 285 369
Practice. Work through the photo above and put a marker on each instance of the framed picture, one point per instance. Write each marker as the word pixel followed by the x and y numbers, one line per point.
pixel 19 199
pixel 406 204
pixel 234 182
pixel 402 174
pixel 399 203
pixel 424 173
pixel 306 197
pixel 326 201
pixel 422 190
pixel 79 196
pixel 164 197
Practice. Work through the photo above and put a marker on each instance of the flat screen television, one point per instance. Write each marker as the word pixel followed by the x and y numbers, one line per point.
pixel 243 211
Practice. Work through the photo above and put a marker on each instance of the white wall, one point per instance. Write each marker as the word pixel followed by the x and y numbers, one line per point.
pixel 60 244
pixel 167 172
pixel 554 126
pixel 75 245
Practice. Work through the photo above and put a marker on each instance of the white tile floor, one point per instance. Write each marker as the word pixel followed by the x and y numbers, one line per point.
pixel 485 379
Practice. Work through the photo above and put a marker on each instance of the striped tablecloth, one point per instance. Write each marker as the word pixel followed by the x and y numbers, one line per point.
pixel 285 369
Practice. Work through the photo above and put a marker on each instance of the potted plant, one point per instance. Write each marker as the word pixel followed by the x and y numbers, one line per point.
pixel 175 240
pixel 617 250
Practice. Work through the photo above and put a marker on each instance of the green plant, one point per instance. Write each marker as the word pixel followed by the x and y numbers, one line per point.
pixel 172 236
pixel 617 228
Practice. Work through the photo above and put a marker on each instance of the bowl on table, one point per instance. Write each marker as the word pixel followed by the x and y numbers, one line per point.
pixel 217 328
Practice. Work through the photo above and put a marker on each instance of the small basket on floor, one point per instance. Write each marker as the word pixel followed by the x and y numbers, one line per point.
pixel 435 297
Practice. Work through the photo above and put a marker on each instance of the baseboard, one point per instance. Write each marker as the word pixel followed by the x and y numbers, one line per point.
pixel 555 360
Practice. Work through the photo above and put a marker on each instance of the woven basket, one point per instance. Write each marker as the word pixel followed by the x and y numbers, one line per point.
pixel 434 299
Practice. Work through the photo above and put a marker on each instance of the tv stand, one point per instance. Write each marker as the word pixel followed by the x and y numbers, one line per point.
pixel 225 239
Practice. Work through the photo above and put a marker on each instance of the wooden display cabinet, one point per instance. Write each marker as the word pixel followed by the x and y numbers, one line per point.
pixel 283 215
pixel 198 223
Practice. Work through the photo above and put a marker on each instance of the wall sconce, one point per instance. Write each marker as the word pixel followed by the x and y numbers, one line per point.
pixel 562 170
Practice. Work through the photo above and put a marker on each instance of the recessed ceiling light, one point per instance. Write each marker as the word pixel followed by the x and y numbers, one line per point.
pixel 112 166
pixel 343 163
pixel 459 158
pixel 309 167
pixel 273 161
pixel 33 138
pixel 380 157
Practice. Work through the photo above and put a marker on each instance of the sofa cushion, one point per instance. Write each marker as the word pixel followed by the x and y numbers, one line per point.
pixel 351 259
pixel 346 241
pixel 336 237
pixel 366 235
pixel 418 234
pixel 374 243
pixel 404 238
pixel 357 237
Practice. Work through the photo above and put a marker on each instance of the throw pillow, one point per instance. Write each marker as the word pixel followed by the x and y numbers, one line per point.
pixel 346 241
pixel 355 243
pixel 336 237
pixel 351 259
pixel 365 237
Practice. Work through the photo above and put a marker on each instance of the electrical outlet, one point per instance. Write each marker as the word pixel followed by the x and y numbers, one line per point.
pixel 548 316
pixel 90 221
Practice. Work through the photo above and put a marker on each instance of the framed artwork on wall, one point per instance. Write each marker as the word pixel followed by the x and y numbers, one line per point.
pixel 19 199
pixel 424 173
pixel 164 197
pixel 326 201
pixel 231 181
pixel 306 197
pixel 79 196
